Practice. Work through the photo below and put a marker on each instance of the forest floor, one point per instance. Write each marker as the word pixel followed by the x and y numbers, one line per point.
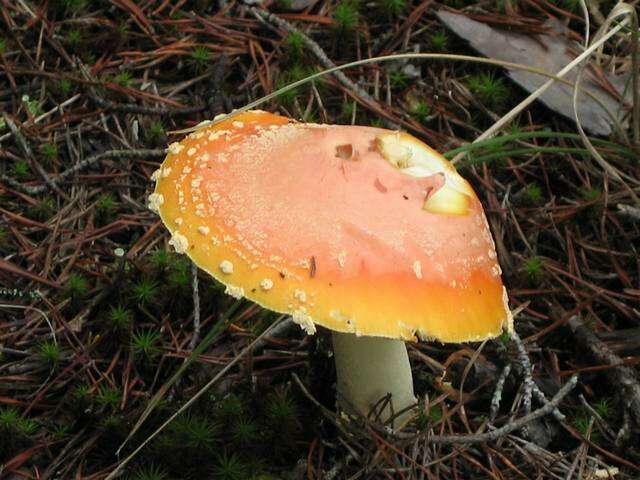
pixel 97 311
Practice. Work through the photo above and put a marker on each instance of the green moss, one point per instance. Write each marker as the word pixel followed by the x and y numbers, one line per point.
pixel 230 407
pixel 294 43
pixel 43 210
pixel 16 432
pixel 72 5
pixel 533 269
pixel 179 273
pixel 64 86
pixel 295 73
pixel 59 431
pixel 230 466
pixel 581 421
pixel 425 419
pixel 346 15
pixel 245 431
pixel 200 58
pixel 122 30
pixel 50 351
pixel 421 111
pixel 109 397
pixel 282 419
pixel 49 151
pixel 604 408
pixel 120 318
pixel 124 79
pixel 160 259
pixel 76 286
pixel 398 80
pixel 73 38
pixel 27 427
pixel 532 194
pixel 195 432
pixel 188 445
pixel 9 418
pixel 310 116
pixel 145 291
pixel 146 343
pixel 20 169
pixel 393 8
pixel 490 90
pixel 281 408
pixel 347 110
pixel 439 41
pixel 81 394
pixel 106 205
pixel 155 132
pixel 591 194
pixel 149 472
pixel 4 238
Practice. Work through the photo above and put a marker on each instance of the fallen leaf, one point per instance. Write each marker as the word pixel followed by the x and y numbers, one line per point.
pixel 549 52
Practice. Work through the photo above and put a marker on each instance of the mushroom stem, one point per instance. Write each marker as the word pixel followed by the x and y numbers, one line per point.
pixel 370 368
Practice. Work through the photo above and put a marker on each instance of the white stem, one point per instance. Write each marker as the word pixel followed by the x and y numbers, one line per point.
pixel 369 369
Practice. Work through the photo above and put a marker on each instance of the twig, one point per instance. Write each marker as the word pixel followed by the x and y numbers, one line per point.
pixel 22 142
pixel 58 108
pixel 624 377
pixel 526 370
pixel 511 426
pixel 144 110
pixel 279 330
pixel 87 162
pixel 601 423
pixel 196 308
pixel 629 211
pixel 557 414
pixel 524 367
pixel 497 394
pixel 322 58
pixel 473 438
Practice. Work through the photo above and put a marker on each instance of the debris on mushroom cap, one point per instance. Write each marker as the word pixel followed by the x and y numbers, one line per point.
pixel 394 244
pixel 155 200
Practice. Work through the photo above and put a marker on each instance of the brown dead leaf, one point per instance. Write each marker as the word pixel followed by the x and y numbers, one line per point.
pixel 549 52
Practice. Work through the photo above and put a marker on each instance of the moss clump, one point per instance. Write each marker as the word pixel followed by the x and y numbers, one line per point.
pixel 346 15
pixel 489 89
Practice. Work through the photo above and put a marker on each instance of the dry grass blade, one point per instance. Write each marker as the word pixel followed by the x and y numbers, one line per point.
pixel 515 111
pixel 416 56
pixel 630 16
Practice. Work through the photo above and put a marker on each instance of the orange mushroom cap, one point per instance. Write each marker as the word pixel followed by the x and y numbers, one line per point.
pixel 357 229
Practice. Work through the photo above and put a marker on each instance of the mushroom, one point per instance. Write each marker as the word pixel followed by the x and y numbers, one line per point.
pixel 365 231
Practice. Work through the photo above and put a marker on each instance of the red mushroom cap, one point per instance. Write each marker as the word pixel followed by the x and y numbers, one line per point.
pixel 357 229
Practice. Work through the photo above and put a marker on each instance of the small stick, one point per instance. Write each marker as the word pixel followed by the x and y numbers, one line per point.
pixel 196 308
pixel 322 58
pixel 539 394
pixel 526 367
pixel 497 394
pixel 511 426
pixel 144 110
pixel 597 416
pixel 26 149
pixel 629 211
pixel 87 162
pixel 624 377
